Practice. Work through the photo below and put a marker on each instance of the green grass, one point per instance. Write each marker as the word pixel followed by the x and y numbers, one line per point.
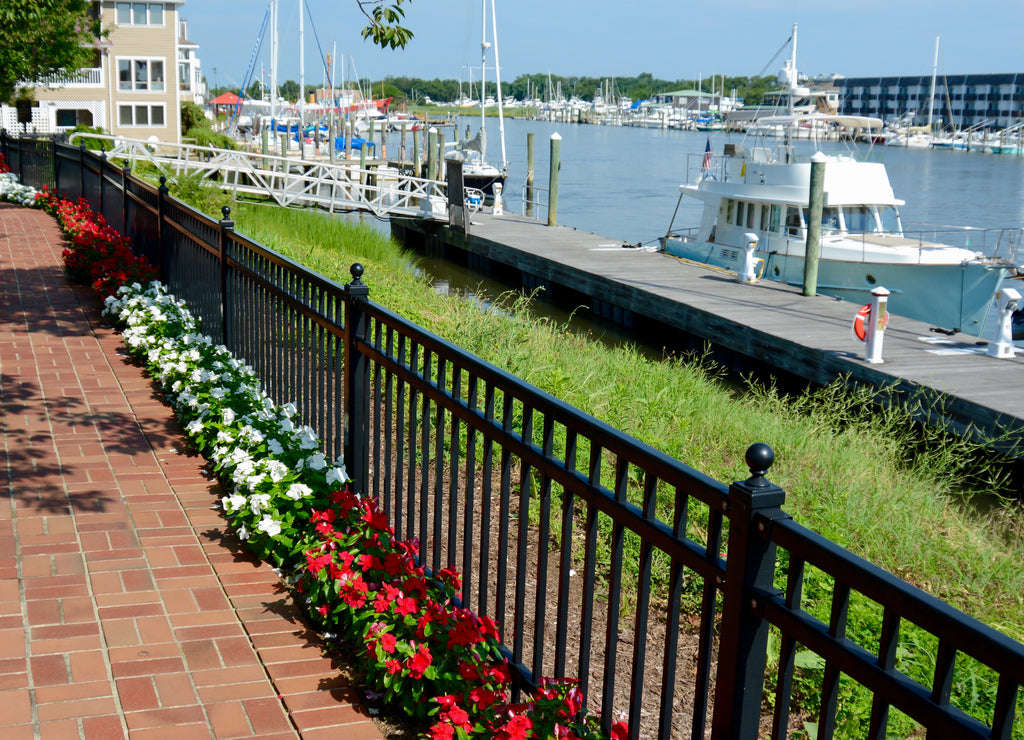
pixel 864 480
pixel 868 479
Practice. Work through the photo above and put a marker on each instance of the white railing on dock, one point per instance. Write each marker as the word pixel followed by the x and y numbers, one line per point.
pixel 291 182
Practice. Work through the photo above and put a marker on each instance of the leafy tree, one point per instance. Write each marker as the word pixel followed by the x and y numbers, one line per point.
pixel 42 37
pixel 385 26
pixel 289 90
pixel 192 116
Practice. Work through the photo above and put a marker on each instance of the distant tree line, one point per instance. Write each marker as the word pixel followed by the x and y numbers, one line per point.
pixel 415 91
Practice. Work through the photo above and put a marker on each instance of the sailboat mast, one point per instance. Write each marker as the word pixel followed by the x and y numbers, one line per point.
pixel 483 63
pixel 273 60
pixel 931 96
pixel 497 82
pixel 302 70
pixel 794 80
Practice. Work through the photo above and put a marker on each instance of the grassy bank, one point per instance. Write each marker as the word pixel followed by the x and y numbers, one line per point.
pixel 867 480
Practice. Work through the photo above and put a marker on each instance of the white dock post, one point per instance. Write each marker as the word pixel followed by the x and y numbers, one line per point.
pixel 747 273
pixel 876 326
pixel 499 206
pixel 1007 300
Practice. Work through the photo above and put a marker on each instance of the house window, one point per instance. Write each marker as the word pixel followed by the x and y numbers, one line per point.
pixel 184 78
pixel 140 14
pixel 140 74
pixel 140 115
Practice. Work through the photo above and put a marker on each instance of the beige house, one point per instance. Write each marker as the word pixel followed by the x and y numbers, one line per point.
pixel 143 70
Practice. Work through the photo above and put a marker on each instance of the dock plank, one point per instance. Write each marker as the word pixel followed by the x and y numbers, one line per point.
pixel 810 337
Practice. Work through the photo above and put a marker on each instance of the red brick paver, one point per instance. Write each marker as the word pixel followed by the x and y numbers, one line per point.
pixel 126 608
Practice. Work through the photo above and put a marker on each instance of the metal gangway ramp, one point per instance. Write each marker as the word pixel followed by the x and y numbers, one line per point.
pixel 342 185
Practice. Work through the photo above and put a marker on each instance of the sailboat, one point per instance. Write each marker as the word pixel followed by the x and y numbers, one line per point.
pixel 477 172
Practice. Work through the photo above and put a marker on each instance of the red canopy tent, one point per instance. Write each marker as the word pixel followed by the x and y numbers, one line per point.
pixel 228 98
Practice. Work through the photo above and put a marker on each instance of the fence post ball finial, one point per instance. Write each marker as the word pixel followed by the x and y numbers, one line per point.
pixel 759 458
pixel 226 211
pixel 356 271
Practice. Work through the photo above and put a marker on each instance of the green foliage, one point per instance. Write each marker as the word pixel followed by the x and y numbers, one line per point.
pixel 289 90
pixel 90 143
pixel 206 136
pixel 192 117
pixel 385 27
pixel 43 37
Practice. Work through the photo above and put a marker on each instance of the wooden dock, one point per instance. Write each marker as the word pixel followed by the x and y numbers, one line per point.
pixel 765 323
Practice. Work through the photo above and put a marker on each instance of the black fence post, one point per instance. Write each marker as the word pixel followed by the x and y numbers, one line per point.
pixel 126 172
pixel 56 164
pixel 356 385
pixel 81 168
pixel 749 570
pixel 103 174
pixel 161 194
pixel 226 227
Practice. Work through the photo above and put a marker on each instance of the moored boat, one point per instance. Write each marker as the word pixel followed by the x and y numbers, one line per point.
pixel 758 199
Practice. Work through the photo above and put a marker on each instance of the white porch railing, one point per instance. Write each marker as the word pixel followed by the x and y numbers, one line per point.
pixel 87 77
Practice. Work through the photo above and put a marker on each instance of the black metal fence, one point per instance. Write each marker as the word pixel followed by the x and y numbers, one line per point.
pixel 678 602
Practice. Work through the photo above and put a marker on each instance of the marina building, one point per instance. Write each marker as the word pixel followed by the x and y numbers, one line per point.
pixel 141 73
pixel 990 101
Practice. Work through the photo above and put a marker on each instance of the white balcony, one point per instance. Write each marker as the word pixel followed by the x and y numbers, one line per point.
pixel 86 77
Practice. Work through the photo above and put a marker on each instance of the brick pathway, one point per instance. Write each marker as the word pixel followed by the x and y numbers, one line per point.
pixel 126 610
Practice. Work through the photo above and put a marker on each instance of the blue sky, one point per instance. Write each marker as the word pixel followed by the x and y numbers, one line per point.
pixel 671 39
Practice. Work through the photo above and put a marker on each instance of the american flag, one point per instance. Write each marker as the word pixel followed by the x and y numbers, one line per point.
pixel 705 166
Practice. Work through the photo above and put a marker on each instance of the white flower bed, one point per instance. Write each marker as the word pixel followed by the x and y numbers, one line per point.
pixel 13 191
pixel 276 466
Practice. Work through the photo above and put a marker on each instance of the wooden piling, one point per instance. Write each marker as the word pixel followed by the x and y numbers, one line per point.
pixel 432 154
pixel 529 174
pixel 813 251
pixel 556 151
pixel 417 159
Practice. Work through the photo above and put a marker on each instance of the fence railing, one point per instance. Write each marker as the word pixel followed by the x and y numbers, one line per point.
pixel 676 600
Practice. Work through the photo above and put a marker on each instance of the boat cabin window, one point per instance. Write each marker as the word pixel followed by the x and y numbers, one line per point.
pixel 750 215
pixel 829 220
pixel 859 219
pixel 889 220
pixel 765 213
pixel 728 212
pixel 741 209
pixel 794 221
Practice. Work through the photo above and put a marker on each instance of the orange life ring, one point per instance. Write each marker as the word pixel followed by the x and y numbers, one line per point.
pixel 859 326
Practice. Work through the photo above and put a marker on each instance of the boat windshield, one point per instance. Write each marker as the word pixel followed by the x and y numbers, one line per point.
pixel 865 219
pixel 889 220
pixel 859 219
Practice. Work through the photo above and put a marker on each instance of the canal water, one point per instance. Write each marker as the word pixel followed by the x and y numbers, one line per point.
pixel 623 183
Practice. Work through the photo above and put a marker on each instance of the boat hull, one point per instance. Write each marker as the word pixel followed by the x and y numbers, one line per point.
pixel 950 296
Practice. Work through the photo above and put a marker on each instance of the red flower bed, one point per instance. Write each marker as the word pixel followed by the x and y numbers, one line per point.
pixel 98 254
